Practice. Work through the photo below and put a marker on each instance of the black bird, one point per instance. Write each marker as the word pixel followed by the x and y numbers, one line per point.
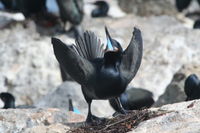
pixel 8 99
pixel 27 7
pixel 71 11
pixel 192 87
pixel 134 99
pixel 101 9
pixel 197 24
pixel 182 4
pixel 101 74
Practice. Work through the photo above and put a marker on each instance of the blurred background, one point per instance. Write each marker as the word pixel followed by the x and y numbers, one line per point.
pixel 30 71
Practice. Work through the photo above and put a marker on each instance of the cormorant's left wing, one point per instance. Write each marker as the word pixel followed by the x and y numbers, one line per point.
pixel 132 56
pixel 79 69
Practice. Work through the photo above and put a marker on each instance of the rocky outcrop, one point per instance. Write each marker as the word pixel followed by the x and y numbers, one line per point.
pixel 174 118
pixel 28 66
pixel 181 118
pixel 148 7
pixel 37 120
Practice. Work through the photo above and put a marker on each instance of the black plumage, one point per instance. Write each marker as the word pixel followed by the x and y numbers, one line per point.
pixel 101 74
pixel 27 7
pixel 182 4
pixel 197 24
pixel 8 99
pixel 134 99
pixel 71 11
pixel 101 9
pixel 192 87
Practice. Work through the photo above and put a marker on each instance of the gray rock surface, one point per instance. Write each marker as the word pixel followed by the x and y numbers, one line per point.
pixel 28 66
pixel 36 120
pixel 181 118
pixel 148 7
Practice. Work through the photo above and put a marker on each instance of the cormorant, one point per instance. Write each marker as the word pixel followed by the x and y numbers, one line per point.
pixel 101 9
pixel 182 4
pixel 134 99
pixel 192 87
pixel 72 11
pixel 27 7
pixel 101 74
pixel 197 24
pixel 8 99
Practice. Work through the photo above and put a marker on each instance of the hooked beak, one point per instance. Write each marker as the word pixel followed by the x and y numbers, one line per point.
pixel 109 42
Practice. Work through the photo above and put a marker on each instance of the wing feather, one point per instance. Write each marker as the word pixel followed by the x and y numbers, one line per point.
pixel 132 56
pixel 79 69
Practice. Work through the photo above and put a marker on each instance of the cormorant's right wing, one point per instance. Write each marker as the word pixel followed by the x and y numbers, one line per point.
pixel 79 69
pixel 132 56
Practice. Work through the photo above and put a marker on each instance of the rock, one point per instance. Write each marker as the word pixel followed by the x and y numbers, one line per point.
pixel 37 120
pixel 175 90
pixel 180 118
pixel 148 7
pixel 59 98
pixel 28 66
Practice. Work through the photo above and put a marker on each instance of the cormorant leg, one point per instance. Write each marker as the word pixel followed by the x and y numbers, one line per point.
pixel 89 116
pixel 120 109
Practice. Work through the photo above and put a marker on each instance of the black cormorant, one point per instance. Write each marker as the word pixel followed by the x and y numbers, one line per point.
pixel 101 9
pixel 197 24
pixel 192 87
pixel 134 99
pixel 101 74
pixel 27 7
pixel 8 99
pixel 182 4
pixel 71 11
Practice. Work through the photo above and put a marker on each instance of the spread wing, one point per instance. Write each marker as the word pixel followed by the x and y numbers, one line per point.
pixel 79 69
pixel 89 46
pixel 132 56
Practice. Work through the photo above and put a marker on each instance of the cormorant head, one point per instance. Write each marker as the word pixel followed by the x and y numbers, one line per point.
pixel 8 99
pixel 192 87
pixel 113 51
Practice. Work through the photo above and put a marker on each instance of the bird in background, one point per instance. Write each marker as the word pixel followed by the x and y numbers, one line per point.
pixel 102 73
pixel 71 11
pixel 8 100
pixel 192 87
pixel 101 9
pixel 134 99
pixel 27 7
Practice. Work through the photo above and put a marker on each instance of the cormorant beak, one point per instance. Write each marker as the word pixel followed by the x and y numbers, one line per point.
pixel 109 41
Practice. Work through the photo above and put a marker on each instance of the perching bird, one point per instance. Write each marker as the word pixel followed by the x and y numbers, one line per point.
pixel 197 24
pixel 182 4
pixel 101 9
pixel 27 7
pixel 101 74
pixel 71 11
pixel 8 99
pixel 134 99
pixel 192 87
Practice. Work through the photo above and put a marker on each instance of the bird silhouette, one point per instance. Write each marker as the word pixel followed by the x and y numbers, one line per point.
pixel 101 9
pixel 71 11
pixel 102 74
pixel 134 99
pixel 192 87
pixel 27 7
pixel 8 99
pixel 182 4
